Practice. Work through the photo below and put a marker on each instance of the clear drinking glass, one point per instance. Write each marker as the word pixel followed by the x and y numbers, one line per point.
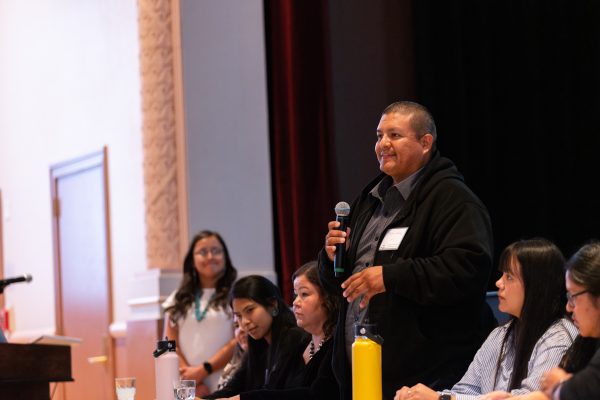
pixel 125 388
pixel 184 389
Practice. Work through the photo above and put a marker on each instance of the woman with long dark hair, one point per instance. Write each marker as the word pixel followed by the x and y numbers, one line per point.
pixel 273 359
pixel 316 312
pixel 515 355
pixel 197 315
pixel 578 377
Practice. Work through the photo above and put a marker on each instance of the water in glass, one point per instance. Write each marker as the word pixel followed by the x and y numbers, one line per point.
pixel 125 388
pixel 125 393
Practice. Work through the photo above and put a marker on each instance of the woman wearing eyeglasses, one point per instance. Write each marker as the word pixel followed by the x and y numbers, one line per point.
pixel 197 314
pixel 574 381
pixel 515 355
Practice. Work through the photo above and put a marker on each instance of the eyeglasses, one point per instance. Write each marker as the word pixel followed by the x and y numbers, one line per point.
pixel 215 251
pixel 571 297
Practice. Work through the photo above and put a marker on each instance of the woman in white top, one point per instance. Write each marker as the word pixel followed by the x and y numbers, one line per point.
pixel 197 315
pixel 515 355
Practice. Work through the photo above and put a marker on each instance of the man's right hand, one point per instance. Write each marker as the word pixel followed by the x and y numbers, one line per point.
pixel 333 237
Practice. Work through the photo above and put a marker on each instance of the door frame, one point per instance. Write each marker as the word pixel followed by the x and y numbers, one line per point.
pixel 57 171
pixel 1 249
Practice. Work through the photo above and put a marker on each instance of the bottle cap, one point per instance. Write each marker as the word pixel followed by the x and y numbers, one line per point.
pixel 163 346
pixel 368 331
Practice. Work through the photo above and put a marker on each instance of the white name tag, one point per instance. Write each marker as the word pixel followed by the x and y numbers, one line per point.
pixel 393 238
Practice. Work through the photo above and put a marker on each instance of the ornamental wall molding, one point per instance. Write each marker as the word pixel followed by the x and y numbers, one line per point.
pixel 162 172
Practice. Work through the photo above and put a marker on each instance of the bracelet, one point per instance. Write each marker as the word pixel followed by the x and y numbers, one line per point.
pixel 208 367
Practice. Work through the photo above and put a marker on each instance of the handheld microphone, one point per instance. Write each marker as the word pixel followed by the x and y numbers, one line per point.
pixel 9 281
pixel 342 210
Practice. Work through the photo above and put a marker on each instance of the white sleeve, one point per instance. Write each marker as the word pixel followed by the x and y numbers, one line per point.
pixel 546 354
pixel 483 365
pixel 169 301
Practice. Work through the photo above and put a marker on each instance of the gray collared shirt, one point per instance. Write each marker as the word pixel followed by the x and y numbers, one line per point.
pixel 391 199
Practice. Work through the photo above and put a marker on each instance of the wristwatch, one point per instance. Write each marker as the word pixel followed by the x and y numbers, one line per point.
pixel 445 396
pixel 208 367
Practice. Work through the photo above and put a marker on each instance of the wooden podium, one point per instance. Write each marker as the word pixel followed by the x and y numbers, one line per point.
pixel 26 370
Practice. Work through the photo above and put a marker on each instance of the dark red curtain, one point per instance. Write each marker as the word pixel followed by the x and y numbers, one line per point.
pixel 302 157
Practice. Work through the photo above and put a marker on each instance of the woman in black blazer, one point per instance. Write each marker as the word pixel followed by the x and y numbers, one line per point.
pixel 273 359
pixel 316 312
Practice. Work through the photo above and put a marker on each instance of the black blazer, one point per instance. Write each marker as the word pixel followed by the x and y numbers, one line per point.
pixel 268 367
pixel 585 384
pixel 315 381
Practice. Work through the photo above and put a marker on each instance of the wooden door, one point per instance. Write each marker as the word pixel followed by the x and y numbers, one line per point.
pixel 82 266
pixel 1 254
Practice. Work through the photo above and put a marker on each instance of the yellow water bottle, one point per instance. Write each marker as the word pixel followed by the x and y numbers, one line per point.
pixel 366 363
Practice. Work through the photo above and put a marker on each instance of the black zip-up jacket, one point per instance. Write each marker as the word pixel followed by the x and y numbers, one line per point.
pixel 584 384
pixel 432 316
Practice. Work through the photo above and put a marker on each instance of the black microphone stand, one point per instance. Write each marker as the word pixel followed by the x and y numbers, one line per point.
pixel 2 286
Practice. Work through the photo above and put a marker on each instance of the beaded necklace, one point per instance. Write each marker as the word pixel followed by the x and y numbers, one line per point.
pixel 311 348
pixel 201 314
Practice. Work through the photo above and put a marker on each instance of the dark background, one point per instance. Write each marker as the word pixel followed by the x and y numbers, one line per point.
pixel 514 87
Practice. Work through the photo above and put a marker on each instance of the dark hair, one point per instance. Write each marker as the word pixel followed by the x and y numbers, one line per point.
pixel 579 354
pixel 542 273
pixel 421 119
pixel 190 283
pixel 330 303
pixel 584 268
pixel 262 291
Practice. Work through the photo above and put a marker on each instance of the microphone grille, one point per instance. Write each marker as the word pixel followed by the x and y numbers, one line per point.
pixel 28 277
pixel 342 209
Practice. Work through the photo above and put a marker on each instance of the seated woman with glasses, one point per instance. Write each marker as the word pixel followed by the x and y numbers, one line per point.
pixel 515 355
pixel 197 315
pixel 578 377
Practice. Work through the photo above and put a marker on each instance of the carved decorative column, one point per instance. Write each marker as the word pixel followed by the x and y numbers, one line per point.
pixel 165 189
pixel 163 137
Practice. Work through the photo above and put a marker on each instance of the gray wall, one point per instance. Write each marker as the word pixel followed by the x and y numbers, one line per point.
pixel 227 127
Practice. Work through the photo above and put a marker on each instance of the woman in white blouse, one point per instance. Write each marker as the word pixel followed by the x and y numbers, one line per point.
pixel 515 355
pixel 197 315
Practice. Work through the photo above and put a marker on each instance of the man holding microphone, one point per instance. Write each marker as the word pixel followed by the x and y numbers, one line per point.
pixel 417 263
